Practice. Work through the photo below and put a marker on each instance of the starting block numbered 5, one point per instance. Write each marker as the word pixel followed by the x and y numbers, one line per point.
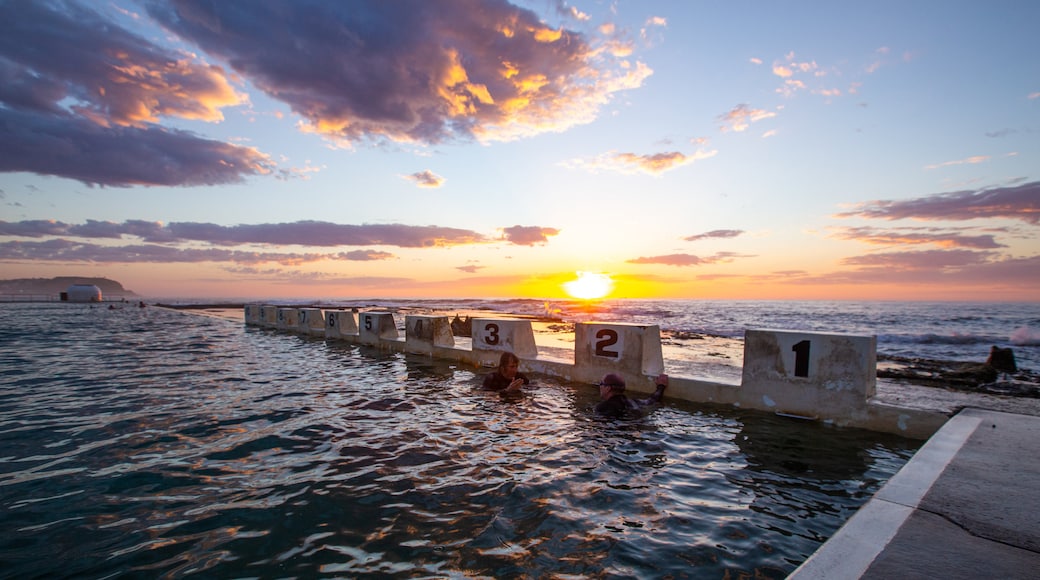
pixel 374 327
pixel 288 319
pixel 616 347
pixel 493 334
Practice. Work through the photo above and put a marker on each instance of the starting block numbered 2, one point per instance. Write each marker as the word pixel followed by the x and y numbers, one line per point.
pixel 493 334
pixel 340 323
pixel 633 349
pixel 422 333
pixel 375 327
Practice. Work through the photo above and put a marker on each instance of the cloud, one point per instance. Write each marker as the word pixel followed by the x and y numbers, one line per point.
pixel 740 117
pixel 917 236
pixel 528 235
pixel 75 148
pixel 301 233
pixel 62 250
pixel 714 234
pixel 426 179
pixel 920 260
pixel 80 97
pixel 438 71
pixel 688 259
pixel 1020 203
pixel 365 255
pixel 470 268
pixel 632 163
pixel 969 160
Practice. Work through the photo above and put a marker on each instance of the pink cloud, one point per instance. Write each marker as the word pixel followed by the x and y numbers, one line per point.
pixel 1019 202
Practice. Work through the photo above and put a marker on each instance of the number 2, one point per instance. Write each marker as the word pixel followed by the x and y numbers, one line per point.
pixel 606 337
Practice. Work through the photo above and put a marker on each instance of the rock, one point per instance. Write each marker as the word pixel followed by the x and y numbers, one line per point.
pixel 1002 359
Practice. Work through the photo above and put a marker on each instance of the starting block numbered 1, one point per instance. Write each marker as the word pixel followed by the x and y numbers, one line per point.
pixel 493 334
pixel 288 319
pixel 311 322
pixel 626 348
pixel 340 323
pixel 422 333
pixel 820 368
pixel 374 327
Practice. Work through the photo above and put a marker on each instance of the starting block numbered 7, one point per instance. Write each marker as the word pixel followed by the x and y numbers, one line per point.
pixel 631 349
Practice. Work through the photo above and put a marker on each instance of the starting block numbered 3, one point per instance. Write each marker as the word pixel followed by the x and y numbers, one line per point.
pixel 422 333
pixel 493 334
pixel 375 327
pixel 633 349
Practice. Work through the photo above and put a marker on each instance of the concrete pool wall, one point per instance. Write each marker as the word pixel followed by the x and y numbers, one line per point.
pixel 827 377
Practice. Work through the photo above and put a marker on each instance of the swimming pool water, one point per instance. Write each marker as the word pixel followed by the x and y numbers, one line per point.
pixel 154 443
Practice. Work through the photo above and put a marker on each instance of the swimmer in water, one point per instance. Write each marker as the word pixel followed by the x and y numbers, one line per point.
pixel 506 379
pixel 614 403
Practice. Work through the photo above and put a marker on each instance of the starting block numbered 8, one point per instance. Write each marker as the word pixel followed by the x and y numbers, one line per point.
pixel 311 322
pixel 617 347
pixel 494 334
pixel 375 327
pixel 288 319
pixel 252 314
pixel 422 333
pixel 340 323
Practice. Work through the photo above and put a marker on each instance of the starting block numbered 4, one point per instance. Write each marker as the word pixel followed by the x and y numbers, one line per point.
pixel 422 333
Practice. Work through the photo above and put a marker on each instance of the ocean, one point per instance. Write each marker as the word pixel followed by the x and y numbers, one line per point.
pixel 148 442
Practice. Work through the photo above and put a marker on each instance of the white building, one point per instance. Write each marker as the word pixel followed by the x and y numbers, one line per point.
pixel 83 293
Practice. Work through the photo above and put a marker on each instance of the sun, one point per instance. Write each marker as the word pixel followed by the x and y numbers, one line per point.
pixel 589 286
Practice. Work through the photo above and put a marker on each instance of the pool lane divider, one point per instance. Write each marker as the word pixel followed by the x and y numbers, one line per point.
pixel 829 377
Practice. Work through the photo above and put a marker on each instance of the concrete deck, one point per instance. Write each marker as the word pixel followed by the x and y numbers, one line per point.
pixel 967 505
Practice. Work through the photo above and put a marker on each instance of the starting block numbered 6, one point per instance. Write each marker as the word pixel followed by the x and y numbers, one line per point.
pixel 340 323
pixel 616 347
pixel 375 327
pixel 493 334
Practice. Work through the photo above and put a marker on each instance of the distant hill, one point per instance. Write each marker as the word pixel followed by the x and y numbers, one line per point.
pixel 55 286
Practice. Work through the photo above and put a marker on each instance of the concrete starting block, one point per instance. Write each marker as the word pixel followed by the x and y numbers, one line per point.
pixel 809 374
pixel 269 316
pixel 252 314
pixel 311 321
pixel 288 319
pixel 492 336
pixel 340 324
pixel 376 327
pixel 422 333
pixel 632 350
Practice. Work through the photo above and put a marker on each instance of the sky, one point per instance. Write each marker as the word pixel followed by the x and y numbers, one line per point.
pixel 806 150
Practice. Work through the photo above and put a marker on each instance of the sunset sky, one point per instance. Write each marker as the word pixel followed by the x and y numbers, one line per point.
pixel 466 148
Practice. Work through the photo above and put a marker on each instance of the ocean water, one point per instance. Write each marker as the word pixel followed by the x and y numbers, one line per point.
pixel 704 338
pixel 155 443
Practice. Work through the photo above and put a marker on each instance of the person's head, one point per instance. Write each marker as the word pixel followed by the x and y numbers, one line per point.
pixel 508 365
pixel 611 384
